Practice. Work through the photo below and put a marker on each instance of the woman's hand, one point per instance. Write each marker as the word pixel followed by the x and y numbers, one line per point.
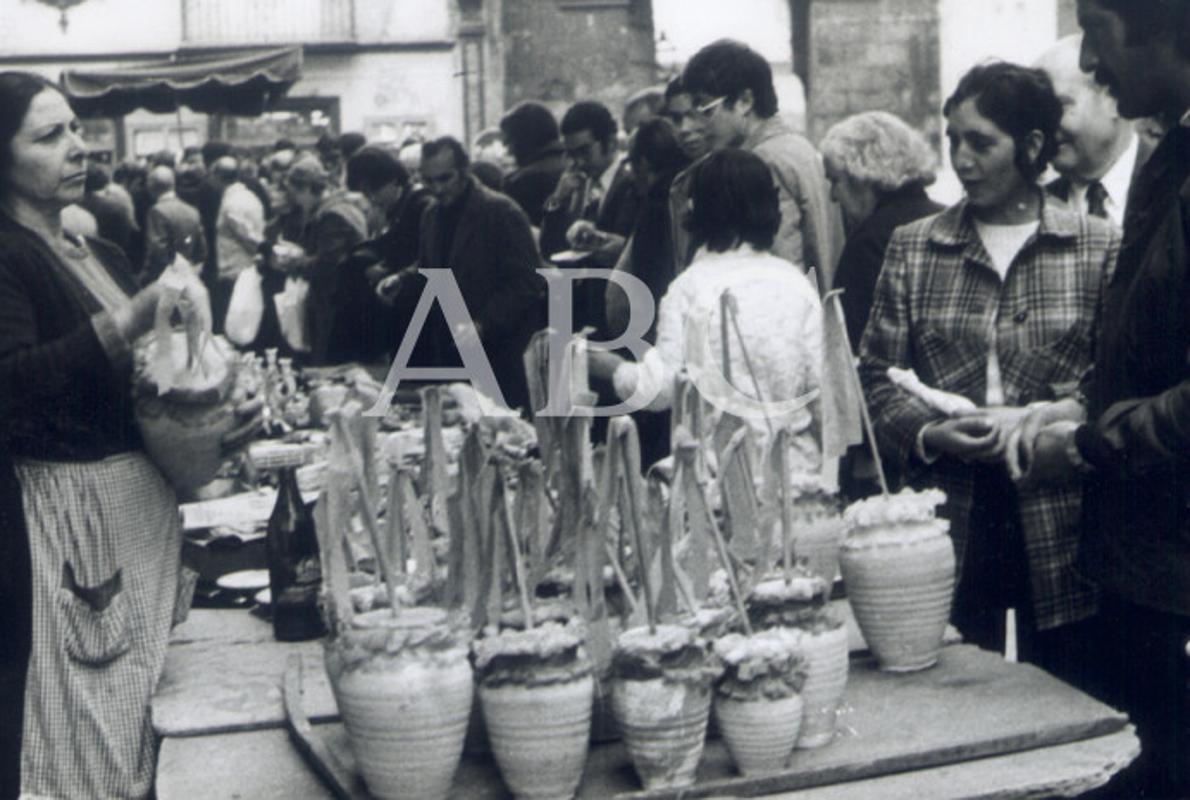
pixel 135 318
pixel 1006 419
pixel 969 438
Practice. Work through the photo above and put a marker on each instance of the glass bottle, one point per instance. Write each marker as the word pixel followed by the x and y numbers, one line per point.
pixel 295 572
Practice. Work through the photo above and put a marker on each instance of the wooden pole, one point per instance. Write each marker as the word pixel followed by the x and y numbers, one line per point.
pixel 869 430
pixel 378 543
pixel 721 548
pixel 518 572
pixel 786 505
pixel 631 516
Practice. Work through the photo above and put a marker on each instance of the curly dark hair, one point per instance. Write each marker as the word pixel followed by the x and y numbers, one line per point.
pixel 1018 100
pixel 734 202
pixel 593 116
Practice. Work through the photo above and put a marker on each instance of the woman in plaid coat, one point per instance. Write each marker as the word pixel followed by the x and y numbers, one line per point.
pixel 992 299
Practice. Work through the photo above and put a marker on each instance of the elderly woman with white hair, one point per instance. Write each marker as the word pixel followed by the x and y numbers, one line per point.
pixel 878 167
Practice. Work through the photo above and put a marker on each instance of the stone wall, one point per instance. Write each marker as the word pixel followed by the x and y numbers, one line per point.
pixel 560 51
pixel 874 55
pixel 1067 17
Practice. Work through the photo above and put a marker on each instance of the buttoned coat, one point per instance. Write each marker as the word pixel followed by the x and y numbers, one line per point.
pixel 494 260
pixel 1137 536
pixel 937 299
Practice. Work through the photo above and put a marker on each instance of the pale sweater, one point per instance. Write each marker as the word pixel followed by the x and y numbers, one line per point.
pixel 780 319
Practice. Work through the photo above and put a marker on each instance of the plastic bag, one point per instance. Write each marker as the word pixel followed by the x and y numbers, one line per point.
pixel 291 313
pixel 246 308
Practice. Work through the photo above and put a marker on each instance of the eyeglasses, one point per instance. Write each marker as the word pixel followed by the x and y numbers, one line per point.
pixel 707 110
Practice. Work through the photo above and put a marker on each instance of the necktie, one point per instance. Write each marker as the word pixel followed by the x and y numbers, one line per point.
pixel 1097 200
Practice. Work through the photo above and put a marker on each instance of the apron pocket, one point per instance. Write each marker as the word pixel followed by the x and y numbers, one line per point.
pixel 95 619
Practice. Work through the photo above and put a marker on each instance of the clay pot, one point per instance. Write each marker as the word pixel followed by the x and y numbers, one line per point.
pixel 182 428
pixel 664 725
pixel 901 593
pixel 539 735
pixel 760 734
pixel 818 541
pixel 827 662
pixel 183 439
pixel 405 715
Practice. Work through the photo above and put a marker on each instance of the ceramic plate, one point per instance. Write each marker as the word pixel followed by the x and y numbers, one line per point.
pixel 248 580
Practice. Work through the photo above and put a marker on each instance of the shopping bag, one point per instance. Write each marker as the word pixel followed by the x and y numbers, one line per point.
pixel 291 313
pixel 246 308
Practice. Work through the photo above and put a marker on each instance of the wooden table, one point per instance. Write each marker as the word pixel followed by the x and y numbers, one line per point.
pixel 974 727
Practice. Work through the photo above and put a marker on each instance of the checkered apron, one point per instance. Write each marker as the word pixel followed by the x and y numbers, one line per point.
pixel 105 542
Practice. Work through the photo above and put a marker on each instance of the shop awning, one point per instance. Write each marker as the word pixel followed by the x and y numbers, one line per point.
pixel 242 83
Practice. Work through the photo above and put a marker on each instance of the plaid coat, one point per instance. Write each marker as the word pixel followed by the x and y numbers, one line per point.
pixel 937 299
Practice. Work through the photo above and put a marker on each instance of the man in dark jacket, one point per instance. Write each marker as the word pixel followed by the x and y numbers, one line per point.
pixel 1134 445
pixel 365 328
pixel 172 226
pixel 484 239
pixel 531 135
pixel 596 191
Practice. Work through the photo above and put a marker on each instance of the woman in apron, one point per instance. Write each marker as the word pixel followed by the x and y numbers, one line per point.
pixel 88 596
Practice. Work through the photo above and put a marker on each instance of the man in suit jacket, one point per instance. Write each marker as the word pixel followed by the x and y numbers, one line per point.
pixel 1098 150
pixel 172 226
pixel 484 238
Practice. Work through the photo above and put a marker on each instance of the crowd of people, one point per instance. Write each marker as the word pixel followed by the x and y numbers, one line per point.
pixel 1049 300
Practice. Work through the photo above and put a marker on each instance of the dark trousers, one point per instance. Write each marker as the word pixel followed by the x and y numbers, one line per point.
pixel 995 578
pixel 1146 673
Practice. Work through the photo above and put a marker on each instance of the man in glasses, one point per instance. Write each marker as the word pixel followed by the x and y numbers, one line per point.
pixel 732 89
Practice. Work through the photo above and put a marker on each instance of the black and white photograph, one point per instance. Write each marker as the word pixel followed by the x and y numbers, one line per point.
pixel 583 399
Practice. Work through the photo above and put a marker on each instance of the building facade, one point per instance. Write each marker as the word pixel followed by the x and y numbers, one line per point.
pixel 391 69
pixel 386 68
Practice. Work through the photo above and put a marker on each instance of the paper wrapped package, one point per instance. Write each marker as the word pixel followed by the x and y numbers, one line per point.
pixel 183 382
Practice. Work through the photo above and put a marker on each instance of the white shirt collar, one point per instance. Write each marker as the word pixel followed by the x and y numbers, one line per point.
pixel 608 175
pixel 1116 183
pixel 1118 179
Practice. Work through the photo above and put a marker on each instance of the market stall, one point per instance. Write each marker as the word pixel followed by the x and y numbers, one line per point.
pixel 975 727
pixel 511 610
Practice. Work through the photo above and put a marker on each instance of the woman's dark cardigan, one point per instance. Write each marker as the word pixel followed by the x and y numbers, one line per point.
pixel 61 398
